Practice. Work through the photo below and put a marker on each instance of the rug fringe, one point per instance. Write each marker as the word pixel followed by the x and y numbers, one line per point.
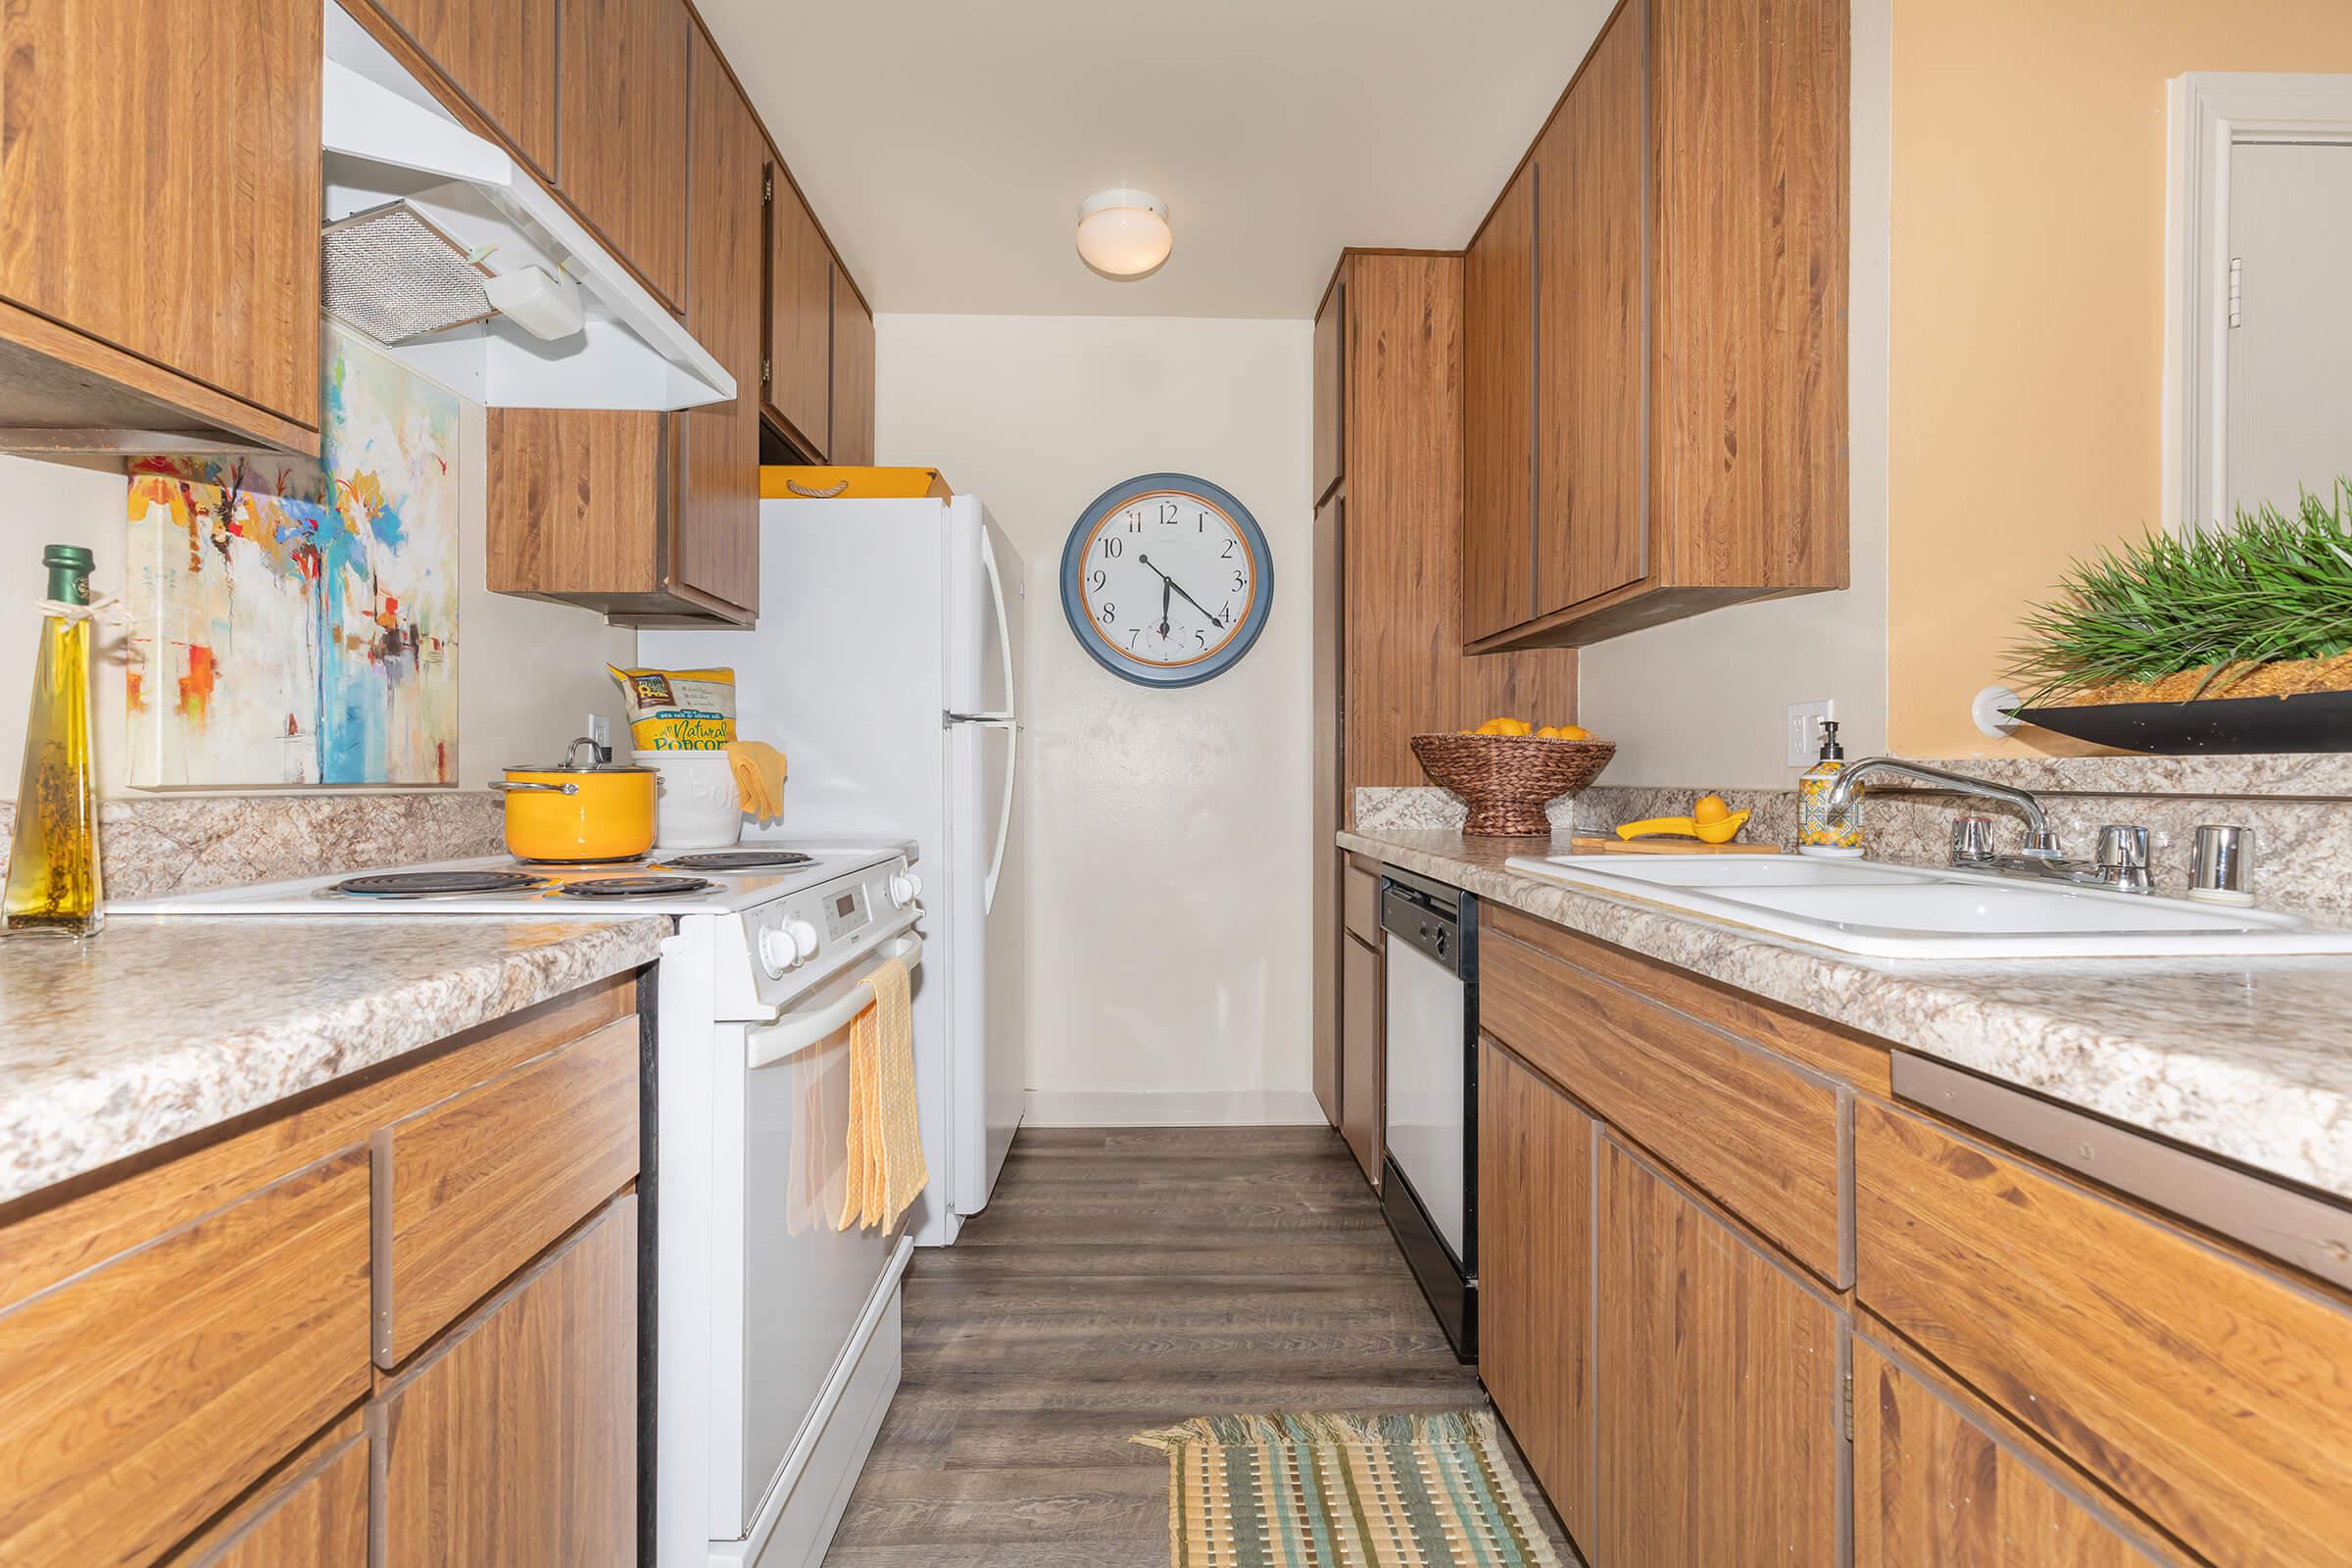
pixel 1253 1430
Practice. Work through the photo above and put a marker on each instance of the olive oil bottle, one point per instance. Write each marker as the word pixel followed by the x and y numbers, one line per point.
pixel 53 860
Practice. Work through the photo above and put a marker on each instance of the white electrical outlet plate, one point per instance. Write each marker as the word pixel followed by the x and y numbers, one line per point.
pixel 600 729
pixel 1804 730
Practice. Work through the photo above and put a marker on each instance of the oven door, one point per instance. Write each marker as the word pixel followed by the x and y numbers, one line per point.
pixel 803 1283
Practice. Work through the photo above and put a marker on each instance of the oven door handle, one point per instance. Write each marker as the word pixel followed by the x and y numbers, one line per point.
pixel 795 1032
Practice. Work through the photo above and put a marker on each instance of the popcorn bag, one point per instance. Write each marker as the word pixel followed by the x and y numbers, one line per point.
pixel 679 710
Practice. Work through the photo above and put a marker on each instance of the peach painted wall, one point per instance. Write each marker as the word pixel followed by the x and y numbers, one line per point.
pixel 2028 307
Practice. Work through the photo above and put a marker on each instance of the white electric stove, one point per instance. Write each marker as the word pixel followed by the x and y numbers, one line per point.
pixel 775 1335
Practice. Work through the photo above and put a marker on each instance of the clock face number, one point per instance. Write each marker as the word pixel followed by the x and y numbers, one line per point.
pixel 1167 579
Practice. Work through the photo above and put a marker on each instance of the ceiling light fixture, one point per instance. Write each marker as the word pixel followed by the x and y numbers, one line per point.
pixel 1124 233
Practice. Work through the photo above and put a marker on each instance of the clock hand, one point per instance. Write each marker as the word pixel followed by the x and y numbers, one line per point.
pixel 1179 587
pixel 1165 583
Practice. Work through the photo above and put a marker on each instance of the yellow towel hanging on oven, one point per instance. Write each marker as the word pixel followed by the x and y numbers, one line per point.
pixel 886 1145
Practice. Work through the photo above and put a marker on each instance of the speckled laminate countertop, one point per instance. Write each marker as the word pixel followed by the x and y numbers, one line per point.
pixel 2248 1059
pixel 164 1026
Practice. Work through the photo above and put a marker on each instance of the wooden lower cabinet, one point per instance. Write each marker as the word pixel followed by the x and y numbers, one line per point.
pixel 314 1514
pixel 1939 1485
pixel 514 1441
pixel 1535 1198
pixel 1362 1078
pixel 1720 1395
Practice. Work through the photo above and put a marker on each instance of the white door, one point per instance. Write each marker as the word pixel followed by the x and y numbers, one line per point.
pixel 2290 229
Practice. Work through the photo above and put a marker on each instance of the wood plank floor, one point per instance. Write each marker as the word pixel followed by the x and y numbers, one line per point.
pixel 1123 1279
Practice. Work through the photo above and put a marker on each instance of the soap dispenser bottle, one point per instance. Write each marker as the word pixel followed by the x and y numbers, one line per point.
pixel 1820 829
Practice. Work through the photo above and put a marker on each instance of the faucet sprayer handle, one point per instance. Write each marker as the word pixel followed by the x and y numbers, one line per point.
pixel 2123 855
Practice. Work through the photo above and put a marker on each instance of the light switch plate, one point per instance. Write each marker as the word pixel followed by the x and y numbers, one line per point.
pixel 1804 730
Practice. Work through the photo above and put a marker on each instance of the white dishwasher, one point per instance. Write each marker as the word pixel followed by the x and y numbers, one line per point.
pixel 1429 1185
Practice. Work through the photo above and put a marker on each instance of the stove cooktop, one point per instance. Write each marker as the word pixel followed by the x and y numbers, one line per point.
pixel 498 885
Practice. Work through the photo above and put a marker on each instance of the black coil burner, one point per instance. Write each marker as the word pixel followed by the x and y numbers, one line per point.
pixel 633 887
pixel 739 860
pixel 436 884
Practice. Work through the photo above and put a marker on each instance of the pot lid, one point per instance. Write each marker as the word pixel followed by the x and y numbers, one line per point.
pixel 600 760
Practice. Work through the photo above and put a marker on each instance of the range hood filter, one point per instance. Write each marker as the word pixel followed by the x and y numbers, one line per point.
pixel 390 274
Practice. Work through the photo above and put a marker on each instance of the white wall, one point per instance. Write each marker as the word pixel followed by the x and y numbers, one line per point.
pixel 1169 830
pixel 1701 703
pixel 528 674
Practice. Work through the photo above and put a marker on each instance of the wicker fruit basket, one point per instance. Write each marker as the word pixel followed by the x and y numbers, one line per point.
pixel 1506 780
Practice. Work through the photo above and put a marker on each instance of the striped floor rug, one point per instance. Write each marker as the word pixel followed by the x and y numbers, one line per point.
pixel 1346 1491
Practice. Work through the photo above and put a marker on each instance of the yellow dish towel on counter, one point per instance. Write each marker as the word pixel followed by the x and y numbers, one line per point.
pixel 886 1145
pixel 759 772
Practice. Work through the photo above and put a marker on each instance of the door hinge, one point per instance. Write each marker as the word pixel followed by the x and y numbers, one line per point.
pixel 1850 1405
pixel 763 380
pixel 767 190
pixel 2237 290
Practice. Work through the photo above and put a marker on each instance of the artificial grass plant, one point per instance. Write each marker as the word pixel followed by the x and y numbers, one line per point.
pixel 2220 603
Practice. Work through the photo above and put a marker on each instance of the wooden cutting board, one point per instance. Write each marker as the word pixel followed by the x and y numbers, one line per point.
pixel 1583 845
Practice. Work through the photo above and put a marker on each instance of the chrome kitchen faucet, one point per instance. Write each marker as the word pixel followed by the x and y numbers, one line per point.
pixel 2121 865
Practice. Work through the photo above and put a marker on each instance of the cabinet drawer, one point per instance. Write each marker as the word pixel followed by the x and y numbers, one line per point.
pixel 1359 901
pixel 471 1188
pixel 2209 1393
pixel 139 1399
pixel 1760 1134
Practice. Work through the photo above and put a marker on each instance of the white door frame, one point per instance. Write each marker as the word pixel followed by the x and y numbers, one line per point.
pixel 2213 112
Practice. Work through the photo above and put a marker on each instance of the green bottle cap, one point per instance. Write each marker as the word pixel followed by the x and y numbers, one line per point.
pixel 69 568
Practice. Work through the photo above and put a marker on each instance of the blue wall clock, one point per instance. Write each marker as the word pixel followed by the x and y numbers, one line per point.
pixel 1166 580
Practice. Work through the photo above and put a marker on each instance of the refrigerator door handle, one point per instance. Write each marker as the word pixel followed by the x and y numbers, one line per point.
pixel 995 594
pixel 1012 768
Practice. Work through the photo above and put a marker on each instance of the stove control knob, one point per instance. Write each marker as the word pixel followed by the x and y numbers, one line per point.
pixel 788 946
pixel 905 888
pixel 802 937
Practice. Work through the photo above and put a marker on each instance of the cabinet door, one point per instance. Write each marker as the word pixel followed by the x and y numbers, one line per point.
pixel 1499 416
pixel 623 147
pixel 1590 497
pixel 1936 1488
pixel 1330 388
pixel 147 202
pixel 799 318
pixel 1720 1399
pixel 717 544
pixel 1362 1116
pixel 1535 1286
pixel 852 443
pixel 516 1441
pixel 501 56
pixel 315 1513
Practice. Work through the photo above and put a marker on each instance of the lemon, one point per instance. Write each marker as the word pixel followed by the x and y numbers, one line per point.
pixel 1571 732
pixel 1710 808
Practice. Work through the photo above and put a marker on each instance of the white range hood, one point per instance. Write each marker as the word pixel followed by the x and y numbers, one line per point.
pixel 386 140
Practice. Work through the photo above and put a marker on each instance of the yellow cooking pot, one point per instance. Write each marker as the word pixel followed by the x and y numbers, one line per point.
pixel 596 810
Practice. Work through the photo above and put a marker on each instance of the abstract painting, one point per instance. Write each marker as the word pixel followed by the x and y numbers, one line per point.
pixel 296 623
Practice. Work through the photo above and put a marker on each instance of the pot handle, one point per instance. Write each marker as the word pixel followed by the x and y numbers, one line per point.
pixel 535 785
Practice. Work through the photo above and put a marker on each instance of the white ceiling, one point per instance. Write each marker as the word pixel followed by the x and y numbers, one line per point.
pixel 946 145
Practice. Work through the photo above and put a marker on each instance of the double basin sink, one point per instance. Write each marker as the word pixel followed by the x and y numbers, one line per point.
pixel 1900 912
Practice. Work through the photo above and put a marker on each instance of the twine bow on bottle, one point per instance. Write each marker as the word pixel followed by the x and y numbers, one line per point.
pixel 105 608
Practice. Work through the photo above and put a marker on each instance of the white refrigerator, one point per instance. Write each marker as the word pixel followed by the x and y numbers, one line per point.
pixel 887 665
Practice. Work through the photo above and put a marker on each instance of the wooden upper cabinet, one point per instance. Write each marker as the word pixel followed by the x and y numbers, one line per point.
pixel 800 318
pixel 1939 1485
pixel 1591 516
pixel 853 419
pixel 1499 416
pixel 1720 1408
pixel 1688 221
pixel 717 535
pixel 622 134
pixel 1331 387
pixel 501 56
pixel 159 249
pixel 1534 1288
